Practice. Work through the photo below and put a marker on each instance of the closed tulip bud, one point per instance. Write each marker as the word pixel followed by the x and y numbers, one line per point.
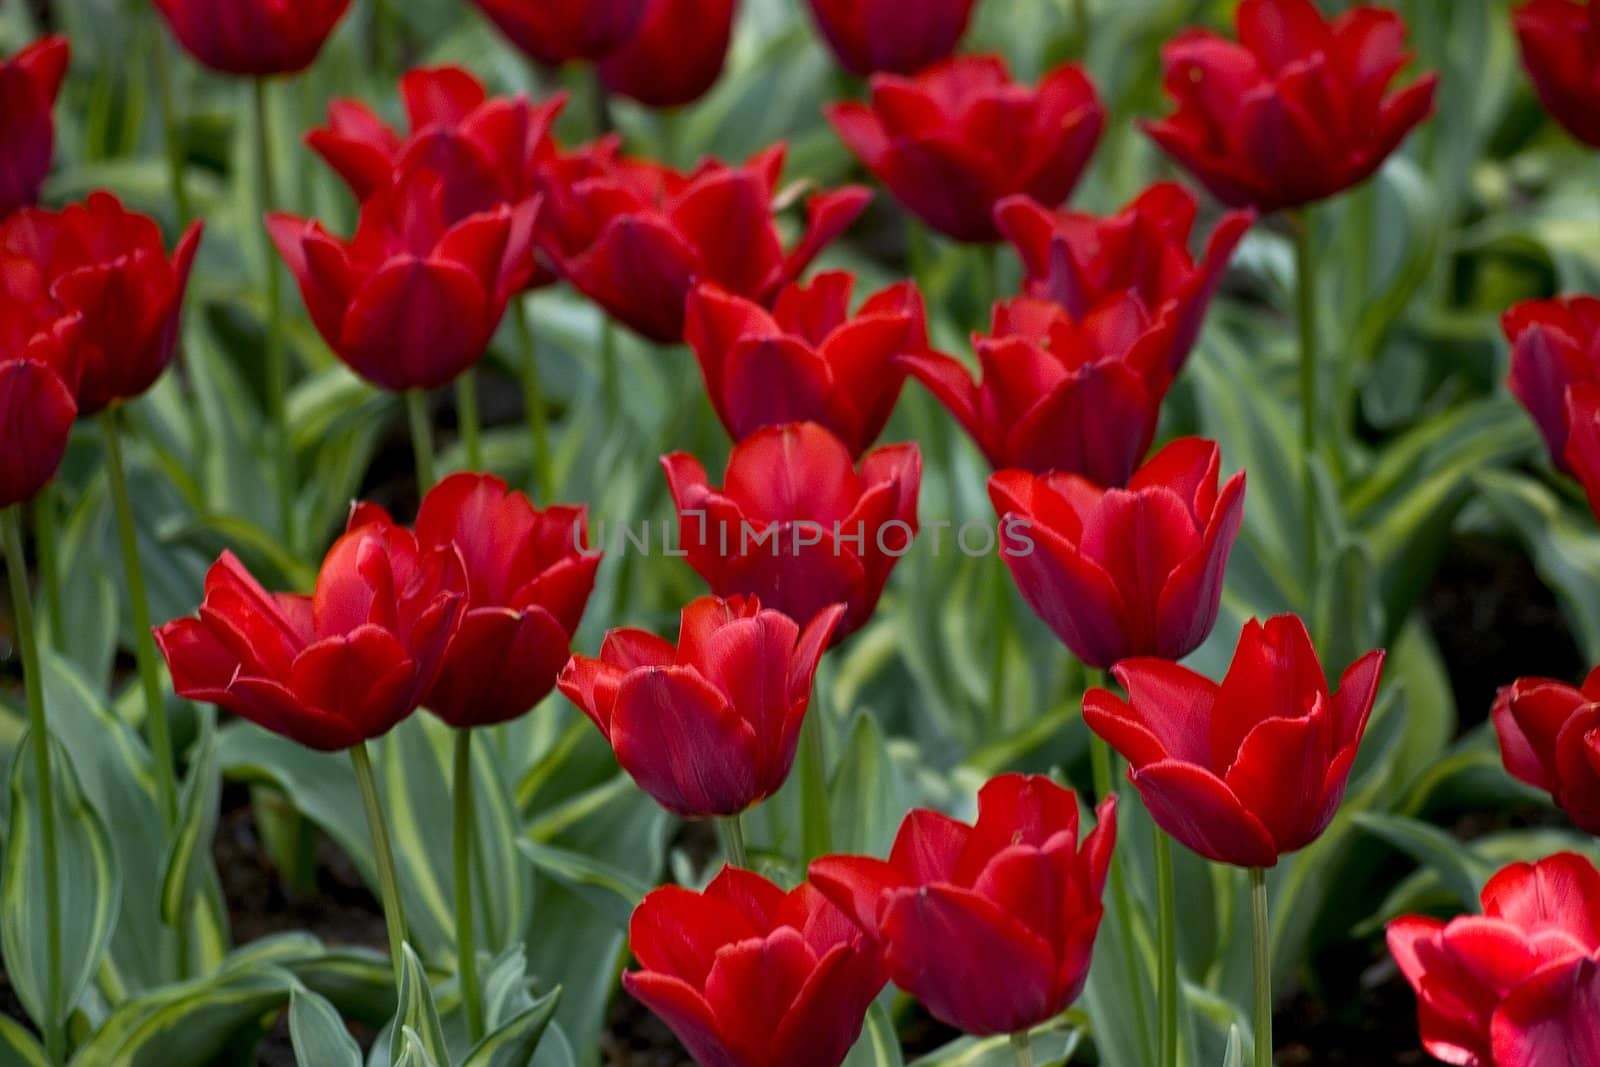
pixel 708 728
pixel 1550 738
pixel 39 369
pixel 990 926
pixel 1296 110
pixel 1250 770
pixel 557 31
pixel 1555 345
pixel 868 36
pixel 676 54
pixel 956 139
pixel 29 84
pixel 253 37
pixel 1561 50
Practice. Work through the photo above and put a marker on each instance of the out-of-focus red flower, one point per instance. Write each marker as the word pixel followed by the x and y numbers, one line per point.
pixel 333 669
pixel 529 576
pixel 750 976
pixel 253 37
pixel 955 140
pixel 1077 397
pixel 1583 439
pixel 1561 49
pixel 557 31
pixel 676 54
pixel 1250 770
pixel 1085 263
pixel 807 360
pixel 989 926
pixel 105 264
pixel 796 524
pixel 29 83
pixel 1555 345
pixel 1485 983
pixel 1295 111
pixel 1550 738
pixel 1118 573
pixel 708 728
pixel 414 297
pixel 635 237
pixel 39 369
pixel 869 36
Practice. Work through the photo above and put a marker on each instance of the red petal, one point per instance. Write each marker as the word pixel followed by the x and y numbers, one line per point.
pixel 1196 808
pixel 684 744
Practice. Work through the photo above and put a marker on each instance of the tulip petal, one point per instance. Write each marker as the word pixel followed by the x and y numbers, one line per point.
pixel 1198 809
pixel 859 886
pixel 1550 1020
pixel 684 744
pixel 686 1013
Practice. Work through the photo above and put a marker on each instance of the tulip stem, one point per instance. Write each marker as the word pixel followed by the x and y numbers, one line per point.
pixel 1167 937
pixel 1306 293
pixel 276 358
pixel 47 565
pixel 467 419
pixel 144 645
pixel 610 373
pixel 816 831
pixel 1023 1047
pixel 533 401
pixel 169 127
pixel 1001 624
pixel 731 831
pixel 421 437
pixel 39 735
pixel 394 916
pixel 1263 958
pixel 466 935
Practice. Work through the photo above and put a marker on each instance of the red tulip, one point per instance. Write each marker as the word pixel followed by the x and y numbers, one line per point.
pixel 1119 573
pixel 1085 263
pixel 29 83
pixel 333 669
pixel 1561 49
pixel 1555 345
pixel 106 265
pixel 1250 770
pixel 1295 112
pixel 635 236
pixel 675 56
pixel 1582 453
pixel 253 37
pixel 807 360
pixel 955 140
pixel 750 976
pixel 1550 738
pixel 413 298
pixel 39 368
pixel 1057 395
pixel 990 926
pixel 796 524
pixel 556 31
pixel 708 728
pixel 529 576
pixel 868 36
pixel 1488 987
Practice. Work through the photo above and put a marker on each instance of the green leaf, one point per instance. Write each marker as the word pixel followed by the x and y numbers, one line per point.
pixel 413 1052
pixel 188 862
pixel 515 1041
pixel 1234 1057
pixel 320 1037
pixel 1464 872
pixel 189 1024
pixel 612 891
pixel 18 1047
pixel 1049 1047
pixel 416 1014
pixel 879 1045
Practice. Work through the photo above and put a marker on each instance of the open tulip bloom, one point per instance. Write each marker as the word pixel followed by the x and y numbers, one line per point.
pixel 40 366
pixel 1550 738
pixel 29 83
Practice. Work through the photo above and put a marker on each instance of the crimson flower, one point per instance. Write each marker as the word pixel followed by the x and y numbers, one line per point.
pixel 808 360
pixel 253 37
pixel 333 669
pixel 1550 738
pixel 1295 111
pixel 1561 49
pixel 868 36
pixel 1247 771
pixel 708 728
pixel 1124 572
pixel 675 56
pixel 29 83
pixel 1085 263
pixel 1509 988
pixel 635 236
pixel 39 369
pixel 1582 453
pixel 556 31
pixel 1555 345
pixel 956 139
pixel 989 926
pixel 1079 397
pixel 796 523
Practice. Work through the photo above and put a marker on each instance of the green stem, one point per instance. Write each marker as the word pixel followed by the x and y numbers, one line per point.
pixel 47 565
pixel 610 370
pixel 466 935
pixel 467 419
pixel 988 282
pixel 276 357
pixel 1263 958
pixel 1001 624
pixel 603 121
pixel 816 830
pixel 39 732
pixel 1306 295
pixel 394 915
pixel 421 437
pixel 533 401
pixel 731 832
pixel 169 126
pixel 144 645
pixel 1023 1047
pixel 1167 927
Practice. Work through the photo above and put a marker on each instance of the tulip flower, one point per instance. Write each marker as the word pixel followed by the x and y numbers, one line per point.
pixel 796 523
pixel 333 669
pixel 1296 111
pixel 750 976
pixel 1550 738
pixel 1118 573
pixel 1582 453
pixel 989 926
pixel 807 360
pixel 1561 49
pixel 253 37
pixel 956 139
pixel 557 31
pixel 708 728
pixel 1085 263
pixel 413 298
pixel 1058 395
pixel 39 369
pixel 1555 345
pixel 106 265
pixel 1485 982
pixel 635 237
pixel 675 56
pixel 868 36
pixel 29 84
